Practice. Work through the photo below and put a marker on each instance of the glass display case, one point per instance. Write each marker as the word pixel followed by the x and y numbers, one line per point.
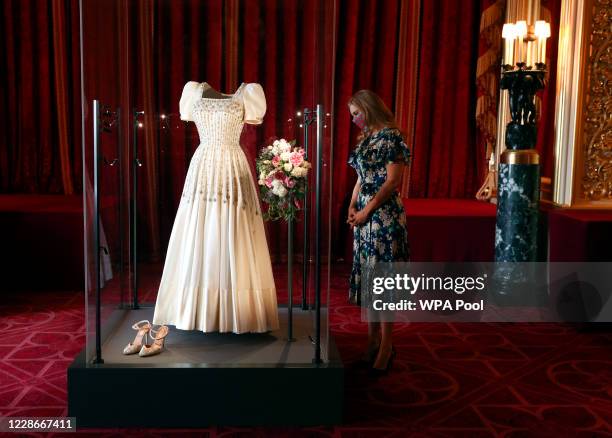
pixel 139 147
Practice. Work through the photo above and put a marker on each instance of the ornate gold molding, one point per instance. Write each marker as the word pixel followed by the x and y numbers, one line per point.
pixel 597 118
pixel 583 129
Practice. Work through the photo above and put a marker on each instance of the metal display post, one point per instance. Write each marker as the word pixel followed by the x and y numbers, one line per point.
pixel 290 337
pixel 133 234
pixel 103 121
pixel 317 267
pixel 96 225
pixel 307 120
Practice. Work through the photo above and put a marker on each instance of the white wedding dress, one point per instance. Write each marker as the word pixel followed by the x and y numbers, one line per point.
pixel 217 275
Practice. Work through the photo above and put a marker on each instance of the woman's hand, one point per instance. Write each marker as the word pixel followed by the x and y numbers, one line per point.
pixel 360 217
pixel 351 213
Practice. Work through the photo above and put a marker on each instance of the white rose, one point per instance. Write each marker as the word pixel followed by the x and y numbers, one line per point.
pixel 288 167
pixel 275 150
pixel 284 145
pixel 280 191
pixel 277 183
pixel 285 156
pixel 276 143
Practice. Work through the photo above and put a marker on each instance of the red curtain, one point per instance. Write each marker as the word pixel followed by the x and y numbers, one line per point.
pixel 40 97
pixel 166 43
pixel 445 153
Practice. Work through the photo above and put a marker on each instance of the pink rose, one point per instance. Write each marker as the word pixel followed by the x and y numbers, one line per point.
pixel 296 158
pixel 289 182
pixel 269 182
pixel 276 161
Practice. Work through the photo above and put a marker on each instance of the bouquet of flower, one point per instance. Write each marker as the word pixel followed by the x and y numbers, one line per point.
pixel 282 174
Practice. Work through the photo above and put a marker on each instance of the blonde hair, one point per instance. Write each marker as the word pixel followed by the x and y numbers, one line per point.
pixel 376 114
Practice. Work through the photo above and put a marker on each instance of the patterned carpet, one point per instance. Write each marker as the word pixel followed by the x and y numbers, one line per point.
pixel 448 380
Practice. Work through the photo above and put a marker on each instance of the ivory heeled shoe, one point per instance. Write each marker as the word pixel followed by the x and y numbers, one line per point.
pixel 157 346
pixel 143 328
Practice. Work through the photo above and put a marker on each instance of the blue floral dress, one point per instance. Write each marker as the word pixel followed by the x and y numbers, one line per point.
pixel 383 237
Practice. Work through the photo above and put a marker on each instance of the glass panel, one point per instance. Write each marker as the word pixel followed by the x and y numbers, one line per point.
pixel 324 71
pixel 106 228
pixel 138 56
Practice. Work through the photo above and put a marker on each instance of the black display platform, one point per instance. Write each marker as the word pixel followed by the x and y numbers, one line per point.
pixel 207 379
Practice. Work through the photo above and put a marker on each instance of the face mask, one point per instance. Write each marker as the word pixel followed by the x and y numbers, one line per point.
pixel 359 120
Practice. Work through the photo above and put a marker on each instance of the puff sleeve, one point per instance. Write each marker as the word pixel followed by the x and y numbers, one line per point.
pixel 394 149
pixel 254 104
pixel 190 94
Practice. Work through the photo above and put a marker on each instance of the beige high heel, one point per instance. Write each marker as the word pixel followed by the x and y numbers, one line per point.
pixel 157 346
pixel 143 328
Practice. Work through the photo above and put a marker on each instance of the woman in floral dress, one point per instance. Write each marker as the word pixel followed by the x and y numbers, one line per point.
pixel 376 212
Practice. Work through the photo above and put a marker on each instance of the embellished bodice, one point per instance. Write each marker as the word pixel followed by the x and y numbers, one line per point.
pixel 219 120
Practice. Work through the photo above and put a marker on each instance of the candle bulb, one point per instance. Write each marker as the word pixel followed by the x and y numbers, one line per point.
pixel 542 31
pixel 521 30
pixel 529 49
pixel 508 34
pixel 539 32
pixel 546 35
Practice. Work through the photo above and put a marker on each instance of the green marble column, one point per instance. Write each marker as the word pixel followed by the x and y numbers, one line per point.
pixel 518 197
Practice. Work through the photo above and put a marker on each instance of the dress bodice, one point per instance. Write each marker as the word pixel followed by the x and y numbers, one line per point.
pixel 220 120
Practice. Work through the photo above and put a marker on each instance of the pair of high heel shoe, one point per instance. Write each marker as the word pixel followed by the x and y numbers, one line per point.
pixel 141 345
